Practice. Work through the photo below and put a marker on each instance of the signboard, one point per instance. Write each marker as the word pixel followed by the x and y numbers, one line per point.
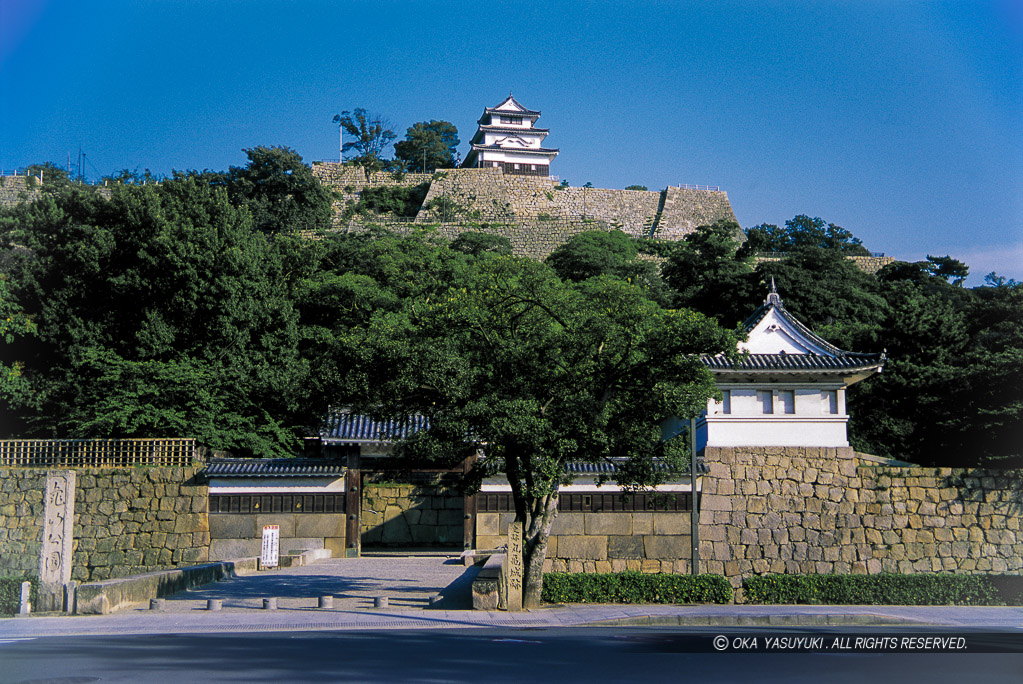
pixel 514 574
pixel 271 546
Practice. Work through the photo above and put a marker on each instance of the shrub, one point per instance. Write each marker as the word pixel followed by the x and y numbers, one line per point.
pixel 397 200
pixel 886 589
pixel 634 587
pixel 10 594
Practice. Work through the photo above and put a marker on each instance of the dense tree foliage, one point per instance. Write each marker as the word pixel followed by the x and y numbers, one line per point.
pixel 158 312
pixel 428 146
pixel 189 306
pixel 279 191
pixel 803 231
pixel 593 253
pixel 539 372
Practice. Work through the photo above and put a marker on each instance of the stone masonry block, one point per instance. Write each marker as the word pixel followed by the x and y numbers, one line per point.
pixel 667 547
pixel 625 546
pixel 607 523
pixel 569 524
pixel 582 547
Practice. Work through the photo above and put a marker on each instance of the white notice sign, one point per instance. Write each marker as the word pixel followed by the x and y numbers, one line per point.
pixel 271 546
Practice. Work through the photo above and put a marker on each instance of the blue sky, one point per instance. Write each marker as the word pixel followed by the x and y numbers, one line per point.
pixel 900 121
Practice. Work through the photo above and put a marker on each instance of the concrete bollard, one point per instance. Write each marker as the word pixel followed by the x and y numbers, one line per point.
pixel 270 603
pixel 380 602
pixel 214 604
pixel 26 594
pixel 157 604
pixel 70 596
pixel 326 602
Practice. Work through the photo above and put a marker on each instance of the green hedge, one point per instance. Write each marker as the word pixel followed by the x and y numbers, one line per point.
pixel 10 594
pixel 634 587
pixel 886 589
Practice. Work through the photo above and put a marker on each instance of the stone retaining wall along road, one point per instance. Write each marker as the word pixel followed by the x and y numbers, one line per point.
pixel 807 510
pixel 126 520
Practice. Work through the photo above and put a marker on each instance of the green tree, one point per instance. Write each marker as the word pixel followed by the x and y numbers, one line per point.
pixel 949 394
pixel 948 268
pixel 803 231
pixel 280 192
pixel 53 175
pixel 596 252
pixel 369 135
pixel 475 243
pixel 145 299
pixel 712 272
pixel 540 373
pixel 428 146
pixel 15 389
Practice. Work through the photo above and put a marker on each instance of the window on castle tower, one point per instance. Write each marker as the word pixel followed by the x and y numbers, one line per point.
pixel 766 400
pixel 829 401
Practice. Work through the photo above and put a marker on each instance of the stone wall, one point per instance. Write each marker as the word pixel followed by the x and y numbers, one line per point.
pixel 657 541
pixel 534 212
pixel 871 264
pixel 829 510
pixel 22 511
pixel 240 535
pixel 127 521
pixel 17 189
pixel 407 515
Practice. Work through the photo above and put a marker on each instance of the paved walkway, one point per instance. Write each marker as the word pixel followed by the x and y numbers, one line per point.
pixel 409 583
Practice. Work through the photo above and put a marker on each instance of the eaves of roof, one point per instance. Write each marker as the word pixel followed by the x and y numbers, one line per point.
pixel 276 467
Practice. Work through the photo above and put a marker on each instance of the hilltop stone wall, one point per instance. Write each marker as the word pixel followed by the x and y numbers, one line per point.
pixel 534 212
pixel 17 189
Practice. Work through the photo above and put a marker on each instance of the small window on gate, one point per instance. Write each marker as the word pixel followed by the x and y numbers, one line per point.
pixel 829 401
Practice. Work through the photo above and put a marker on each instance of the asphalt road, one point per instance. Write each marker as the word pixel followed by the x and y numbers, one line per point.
pixel 506 655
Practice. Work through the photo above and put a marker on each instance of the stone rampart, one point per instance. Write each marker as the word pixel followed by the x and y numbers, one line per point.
pixel 829 510
pixel 534 212
pixel 17 189
pixel 126 521
pixel 406 515
pixel 871 264
pixel 606 541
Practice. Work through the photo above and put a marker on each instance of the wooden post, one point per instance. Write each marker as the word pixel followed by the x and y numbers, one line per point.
pixel 353 505
pixel 694 508
pixel 469 514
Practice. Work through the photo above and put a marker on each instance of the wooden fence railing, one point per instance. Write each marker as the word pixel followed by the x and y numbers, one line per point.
pixel 92 453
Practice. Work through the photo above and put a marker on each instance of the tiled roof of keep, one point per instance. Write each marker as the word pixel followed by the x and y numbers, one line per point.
pixel 275 467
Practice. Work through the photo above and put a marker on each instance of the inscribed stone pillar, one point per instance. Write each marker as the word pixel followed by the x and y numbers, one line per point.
pixel 513 571
pixel 55 554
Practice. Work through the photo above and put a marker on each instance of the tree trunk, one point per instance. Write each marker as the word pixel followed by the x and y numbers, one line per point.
pixel 536 551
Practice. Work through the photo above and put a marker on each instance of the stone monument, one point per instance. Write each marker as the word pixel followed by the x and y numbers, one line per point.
pixel 55 554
